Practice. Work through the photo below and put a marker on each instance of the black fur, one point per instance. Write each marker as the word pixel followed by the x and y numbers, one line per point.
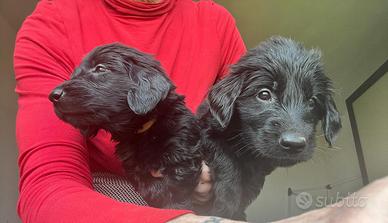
pixel 241 137
pixel 119 89
pixel 276 91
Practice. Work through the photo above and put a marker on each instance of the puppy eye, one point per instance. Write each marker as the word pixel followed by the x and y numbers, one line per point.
pixel 264 94
pixel 312 102
pixel 100 68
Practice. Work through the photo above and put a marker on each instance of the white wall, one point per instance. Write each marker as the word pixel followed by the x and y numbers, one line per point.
pixel 371 112
pixel 8 149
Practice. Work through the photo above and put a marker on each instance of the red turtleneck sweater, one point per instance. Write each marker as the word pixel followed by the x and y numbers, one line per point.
pixel 195 42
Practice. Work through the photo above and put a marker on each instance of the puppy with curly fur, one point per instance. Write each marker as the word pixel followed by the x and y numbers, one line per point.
pixel 264 115
pixel 126 92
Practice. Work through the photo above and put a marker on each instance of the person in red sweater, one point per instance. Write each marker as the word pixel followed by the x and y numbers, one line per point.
pixel 195 43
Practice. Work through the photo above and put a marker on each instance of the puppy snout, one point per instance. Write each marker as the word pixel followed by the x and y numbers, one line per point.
pixel 56 94
pixel 292 141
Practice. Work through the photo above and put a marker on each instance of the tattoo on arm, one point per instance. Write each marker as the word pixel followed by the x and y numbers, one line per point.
pixel 213 220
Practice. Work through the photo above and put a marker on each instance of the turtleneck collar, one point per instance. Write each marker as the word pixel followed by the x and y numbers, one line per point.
pixel 131 8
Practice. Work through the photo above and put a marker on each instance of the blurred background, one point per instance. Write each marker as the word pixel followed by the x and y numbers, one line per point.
pixel 353 35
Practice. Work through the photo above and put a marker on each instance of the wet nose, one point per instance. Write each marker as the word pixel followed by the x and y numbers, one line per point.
pixel 56 94
pixel 292 141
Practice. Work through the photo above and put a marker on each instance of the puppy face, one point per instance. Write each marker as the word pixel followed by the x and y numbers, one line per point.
pixel 274 98
pixel 112 85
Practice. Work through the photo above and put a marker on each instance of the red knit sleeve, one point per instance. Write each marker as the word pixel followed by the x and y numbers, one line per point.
pixel 232 45
pixel 55 180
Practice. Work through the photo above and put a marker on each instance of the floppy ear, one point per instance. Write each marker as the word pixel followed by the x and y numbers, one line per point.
pixel 147 89
pixel 331 121
pixel 222 98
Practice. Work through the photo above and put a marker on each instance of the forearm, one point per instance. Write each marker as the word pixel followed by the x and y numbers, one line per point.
pixel 55 186
pixel 373 209
pixel 191 218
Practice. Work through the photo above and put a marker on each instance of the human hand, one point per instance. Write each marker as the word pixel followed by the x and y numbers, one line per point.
pixel 191 218
pixel 202 192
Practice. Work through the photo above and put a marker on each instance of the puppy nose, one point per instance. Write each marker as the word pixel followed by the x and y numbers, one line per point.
pixel 56 94
pixel 292 141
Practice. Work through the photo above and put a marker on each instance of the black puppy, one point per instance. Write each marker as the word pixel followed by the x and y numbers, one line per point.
pixel 264 115
pixel 126 93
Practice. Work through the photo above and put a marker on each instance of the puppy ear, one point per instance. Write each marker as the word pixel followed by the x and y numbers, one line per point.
pixel 331 121
pixel 146 90
pixel 222 97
